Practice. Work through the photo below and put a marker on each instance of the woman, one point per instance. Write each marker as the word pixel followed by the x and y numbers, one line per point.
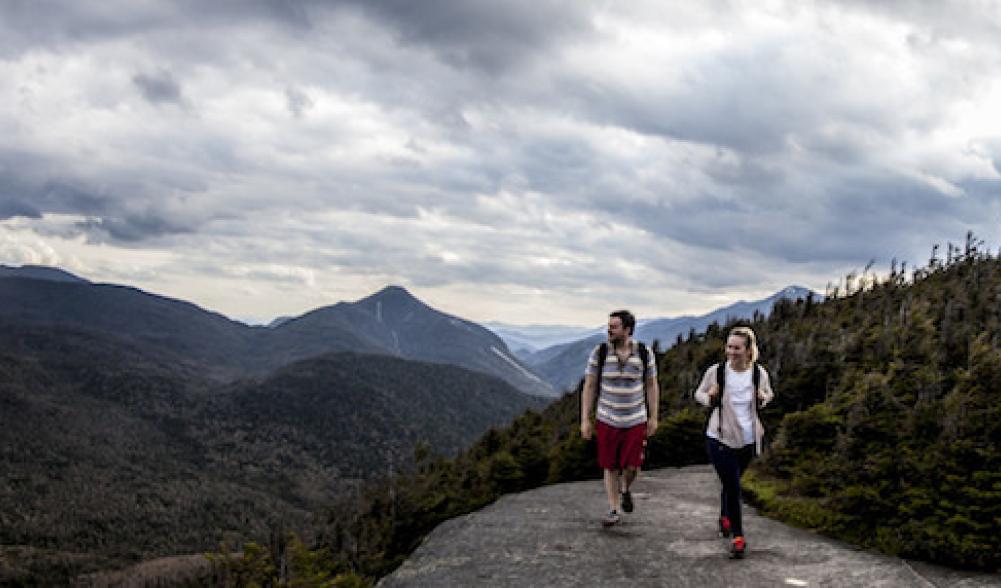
pixel 734 432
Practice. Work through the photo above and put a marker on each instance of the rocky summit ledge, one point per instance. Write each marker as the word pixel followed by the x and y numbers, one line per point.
pixel 552 536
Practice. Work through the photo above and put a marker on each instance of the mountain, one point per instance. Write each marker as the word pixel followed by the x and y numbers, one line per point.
pixel 396 323
pixel 563 365
pixel 390 322
pixel 115 451
pixel 666 330
pixel 526 339
pixel 39 272
pixel 225 349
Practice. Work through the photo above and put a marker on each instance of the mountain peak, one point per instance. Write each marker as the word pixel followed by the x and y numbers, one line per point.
pixel 392 294
pixel 792 292
pixel 394 290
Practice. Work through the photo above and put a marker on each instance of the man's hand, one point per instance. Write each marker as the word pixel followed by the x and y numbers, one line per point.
pixel 651 427
pixel 585 429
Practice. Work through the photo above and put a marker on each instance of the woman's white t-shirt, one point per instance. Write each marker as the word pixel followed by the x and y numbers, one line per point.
pixel 740 390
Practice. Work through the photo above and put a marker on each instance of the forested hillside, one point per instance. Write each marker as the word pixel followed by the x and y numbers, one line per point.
pixel 884 430
pixel 114 452
pixel 892 423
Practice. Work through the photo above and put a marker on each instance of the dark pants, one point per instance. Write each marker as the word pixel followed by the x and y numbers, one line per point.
pixel 730 465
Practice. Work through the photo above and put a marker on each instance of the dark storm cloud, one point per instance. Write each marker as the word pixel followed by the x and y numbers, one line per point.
pixel 479 34
pixel 843 224
pixel 292 12
pixel 54 23
pixel 11 206
pixel 732 111
pixel 16 195
pixel 984 191
pixel 31 186
pixel 131 228
pixel 69 196
pixel 158 87
pixel 488 36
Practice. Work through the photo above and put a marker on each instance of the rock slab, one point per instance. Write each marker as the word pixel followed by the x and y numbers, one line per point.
pixel 552 536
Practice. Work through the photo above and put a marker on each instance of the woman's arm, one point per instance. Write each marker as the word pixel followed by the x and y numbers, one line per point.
pixel 708 388
pixel 765 393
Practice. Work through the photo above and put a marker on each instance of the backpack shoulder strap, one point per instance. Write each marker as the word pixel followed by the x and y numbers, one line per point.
pixel 602 355
pixel 756 377
pixel 720 380
pixel 644 357
pixel 718 401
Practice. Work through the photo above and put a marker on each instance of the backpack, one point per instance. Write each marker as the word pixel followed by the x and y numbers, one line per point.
pixel 644 357
pixel 721 382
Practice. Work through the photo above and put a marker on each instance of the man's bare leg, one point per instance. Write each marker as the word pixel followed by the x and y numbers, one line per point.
pixel 612 483
pixel 628 477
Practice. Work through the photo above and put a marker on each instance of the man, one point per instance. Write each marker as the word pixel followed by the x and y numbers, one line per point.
pixel 627 409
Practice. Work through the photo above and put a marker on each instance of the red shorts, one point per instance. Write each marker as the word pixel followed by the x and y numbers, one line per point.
pixel 620 448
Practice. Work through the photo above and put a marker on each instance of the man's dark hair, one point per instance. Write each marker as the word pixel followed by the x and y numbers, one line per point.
pixel 627 318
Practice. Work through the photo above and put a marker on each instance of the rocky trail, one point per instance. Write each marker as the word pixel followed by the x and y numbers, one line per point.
pixel 552 536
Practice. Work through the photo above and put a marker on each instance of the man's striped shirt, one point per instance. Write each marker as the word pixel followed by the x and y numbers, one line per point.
pixel 621 391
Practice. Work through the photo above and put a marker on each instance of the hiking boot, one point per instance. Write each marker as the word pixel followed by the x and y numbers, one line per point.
pixel 610 519
pixel 738 547
pixel 724 526
pixel 627 501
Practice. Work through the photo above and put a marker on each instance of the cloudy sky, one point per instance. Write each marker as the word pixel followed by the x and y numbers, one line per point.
pixel 529 161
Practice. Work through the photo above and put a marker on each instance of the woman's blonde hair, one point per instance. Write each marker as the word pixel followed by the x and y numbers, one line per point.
pixel 750 340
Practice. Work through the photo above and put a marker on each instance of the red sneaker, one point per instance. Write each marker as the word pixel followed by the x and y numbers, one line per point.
pixel 738 547
pixel 724 526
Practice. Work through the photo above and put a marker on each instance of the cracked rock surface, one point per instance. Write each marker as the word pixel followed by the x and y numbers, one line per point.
pixel 552 536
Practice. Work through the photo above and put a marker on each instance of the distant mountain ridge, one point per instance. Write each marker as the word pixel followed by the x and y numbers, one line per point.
pixel 563 365
pixel 389 322
pixel 666 330
pixel 225 348
pixel 39 272
pixel 527 339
